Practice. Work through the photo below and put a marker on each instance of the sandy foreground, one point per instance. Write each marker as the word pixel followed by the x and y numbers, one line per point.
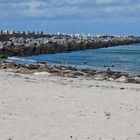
pixel 52 108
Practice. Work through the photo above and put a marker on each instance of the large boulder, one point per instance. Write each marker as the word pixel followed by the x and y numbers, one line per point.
pixel 135 79
pixel 122 79
pixel 42 73
pixel 77 73
pixel 7 44
pixel 100 76
pixel 25 70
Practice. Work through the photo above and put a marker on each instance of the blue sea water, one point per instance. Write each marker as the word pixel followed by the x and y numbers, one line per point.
pixel 120 58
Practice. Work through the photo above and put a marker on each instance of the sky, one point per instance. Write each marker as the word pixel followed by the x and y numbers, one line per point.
pixel 71 16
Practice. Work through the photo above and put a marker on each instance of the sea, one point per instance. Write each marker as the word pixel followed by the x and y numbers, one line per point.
pixel 119 58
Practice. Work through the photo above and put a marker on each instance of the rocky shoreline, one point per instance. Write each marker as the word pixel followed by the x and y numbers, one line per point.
pixel 50 44
pixel 70 71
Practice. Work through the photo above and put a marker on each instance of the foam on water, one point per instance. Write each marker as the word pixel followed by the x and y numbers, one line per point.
pixel 21 60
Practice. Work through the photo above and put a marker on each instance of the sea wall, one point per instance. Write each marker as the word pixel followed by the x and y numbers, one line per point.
pixel 21 44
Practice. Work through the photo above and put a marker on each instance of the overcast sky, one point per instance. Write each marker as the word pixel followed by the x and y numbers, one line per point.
pixel 72 16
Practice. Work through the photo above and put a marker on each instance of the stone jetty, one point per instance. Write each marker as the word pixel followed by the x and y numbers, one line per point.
pixel 31 43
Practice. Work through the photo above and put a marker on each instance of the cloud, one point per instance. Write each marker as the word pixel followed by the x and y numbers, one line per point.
pixel 76 9
pixel 105 1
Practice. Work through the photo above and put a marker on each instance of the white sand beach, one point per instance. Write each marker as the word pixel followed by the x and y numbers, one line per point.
pixel 53 108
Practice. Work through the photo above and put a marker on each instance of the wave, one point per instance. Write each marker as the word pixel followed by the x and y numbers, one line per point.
pixel 21 59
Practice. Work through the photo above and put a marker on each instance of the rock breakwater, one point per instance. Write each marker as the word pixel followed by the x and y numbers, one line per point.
pixel 25 46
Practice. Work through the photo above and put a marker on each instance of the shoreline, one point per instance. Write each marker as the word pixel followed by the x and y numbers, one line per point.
pixel 51 64
pixel 42 68
pixel 118 66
